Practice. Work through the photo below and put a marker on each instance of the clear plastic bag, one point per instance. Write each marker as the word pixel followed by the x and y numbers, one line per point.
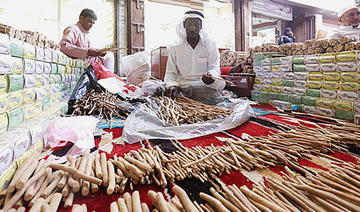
pixel 136 67
pixel 144 124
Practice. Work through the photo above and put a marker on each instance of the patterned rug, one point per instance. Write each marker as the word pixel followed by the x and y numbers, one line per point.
pixel 267 121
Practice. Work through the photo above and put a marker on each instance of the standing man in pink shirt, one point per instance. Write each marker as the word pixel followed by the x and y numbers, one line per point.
pixel 76 44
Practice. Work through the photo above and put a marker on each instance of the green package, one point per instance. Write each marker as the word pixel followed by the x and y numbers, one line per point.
pixel 283 97
pixel 299 68
pixel 344 115
pixel 295 99
pixel 275 61
pixel 257 62
pixel 308 100
pixel 254 93
pixel 313 92
pixel 258 56
pixel 298 59
pixel 15 82
pixel 54 68
pixel 16 117
pixel 273 95
pixel 46 103
pixel 16 48
pixel 288 83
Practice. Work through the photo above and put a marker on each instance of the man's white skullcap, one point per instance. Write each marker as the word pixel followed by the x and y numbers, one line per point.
pixel 342 11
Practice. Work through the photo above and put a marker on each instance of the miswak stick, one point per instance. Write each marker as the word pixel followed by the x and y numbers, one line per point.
pixel 32 190
pixel 77 208
pixel 123 184
pixel 64 179
pixel 216 204
pixel 237 199
pixel 19 172
pixel 76 173
pixel 144 207
pixel 136 204
pixel 52 185
pixel 72 182
pixel 157 201
pixel 329 196
pixel 94 187
pixel 131 167
pixel 184 199
pixel 37 205
pixel 111 172
pixel 113 206
pixel 98 170
pixel 175 201
pixel 19 203
pixel 125 171
pixel 20 193
pixel 104 169
pixel 45 207
pixel 224 201
pixel 85 190
pixel 261 200
pixel 43 186
pixel 83 162
pixel 66 190
pixel 21 209
pixel 122 205
pixel 55 202
pixel 198 207
pixel 69 200
pixel 12 210
pixel 128 201
pixel 138 163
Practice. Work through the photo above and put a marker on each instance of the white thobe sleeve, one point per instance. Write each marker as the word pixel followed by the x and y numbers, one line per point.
pixel 172 72
pixel 214 66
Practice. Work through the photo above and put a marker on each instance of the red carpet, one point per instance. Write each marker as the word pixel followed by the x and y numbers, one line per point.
pixel 259 126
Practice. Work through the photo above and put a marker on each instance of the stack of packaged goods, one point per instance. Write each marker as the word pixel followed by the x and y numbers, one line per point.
pixel 34 82
pixel 325 84
pixel 262 66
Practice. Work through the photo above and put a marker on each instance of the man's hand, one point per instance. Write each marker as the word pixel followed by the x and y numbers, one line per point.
pixel 95 53
pixel 172 91
pixel 207 79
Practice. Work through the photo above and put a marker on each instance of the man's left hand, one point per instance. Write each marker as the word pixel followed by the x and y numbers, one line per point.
pixel 207 79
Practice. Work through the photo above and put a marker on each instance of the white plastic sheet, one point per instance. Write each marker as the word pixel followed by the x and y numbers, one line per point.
pixel 136 67
pixel 143 124
pixel 78 130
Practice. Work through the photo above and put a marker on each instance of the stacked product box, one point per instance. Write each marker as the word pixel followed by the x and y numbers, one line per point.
pixel 325 84
pixel 32 80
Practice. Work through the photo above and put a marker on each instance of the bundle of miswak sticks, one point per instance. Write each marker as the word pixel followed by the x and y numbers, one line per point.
pixel 183 110
pixel 44 184
pixel 312 47
pixel 100 103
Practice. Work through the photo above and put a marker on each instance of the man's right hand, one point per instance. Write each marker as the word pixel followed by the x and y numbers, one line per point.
pixel 94 53
pixel 172 91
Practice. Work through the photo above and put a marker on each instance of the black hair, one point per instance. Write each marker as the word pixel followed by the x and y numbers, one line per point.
pixel 195 12
pixel 88 13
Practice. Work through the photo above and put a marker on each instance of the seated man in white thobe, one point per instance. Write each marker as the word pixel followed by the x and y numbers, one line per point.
pixel 194 62
pixel 349 19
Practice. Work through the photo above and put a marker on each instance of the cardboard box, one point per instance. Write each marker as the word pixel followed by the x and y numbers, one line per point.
pixel 17 65
pixel 29 66
pixel 332 76
pixel 3 84
pixel 328 67
pixel 29 81
pixel 4 103
pixel 29 51
pixel 5 63
pixel 4 44
pixel 15 100
pixel 4 122
pixel 39 67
